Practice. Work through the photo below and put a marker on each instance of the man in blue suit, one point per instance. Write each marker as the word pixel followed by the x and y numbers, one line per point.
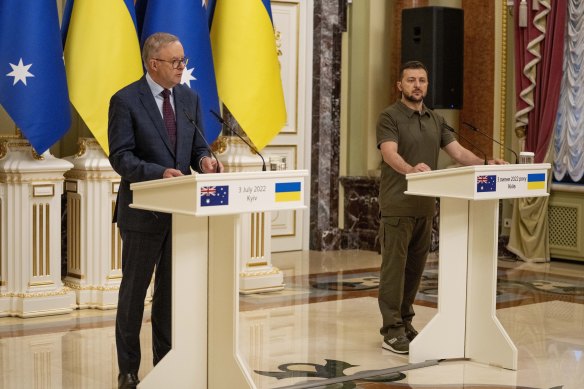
pixel 151 137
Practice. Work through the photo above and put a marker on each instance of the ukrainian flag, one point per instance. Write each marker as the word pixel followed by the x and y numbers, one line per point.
pixel 102 55
pixel 247 67
pixel 288 191
pixel 536 181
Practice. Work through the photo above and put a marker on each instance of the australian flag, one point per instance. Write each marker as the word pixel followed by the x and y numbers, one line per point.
pixel 487 183
pixel 33 85
pixel 214 195
pixel 187 19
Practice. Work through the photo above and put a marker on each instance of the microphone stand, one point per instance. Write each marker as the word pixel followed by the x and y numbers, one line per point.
pixel 223 122
pixel 190 119
pixel 491 138
pixel 467 141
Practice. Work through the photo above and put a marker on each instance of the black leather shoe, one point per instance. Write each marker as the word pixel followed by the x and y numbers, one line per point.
pixel 128 381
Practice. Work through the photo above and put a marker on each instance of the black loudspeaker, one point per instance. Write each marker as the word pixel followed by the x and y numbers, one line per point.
pixel 435 36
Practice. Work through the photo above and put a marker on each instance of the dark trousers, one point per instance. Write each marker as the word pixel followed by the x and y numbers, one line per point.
pixel 142 253
pixel 405 243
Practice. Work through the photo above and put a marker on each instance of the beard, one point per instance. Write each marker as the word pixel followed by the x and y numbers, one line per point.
pixel 412 98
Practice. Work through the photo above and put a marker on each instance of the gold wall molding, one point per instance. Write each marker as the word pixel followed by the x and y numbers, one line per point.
pixel 43 190
pixel 91 175
pixel 101 288
pixel 26 178
pixel 62 292
pixel 256 264
pixel 503 76
pixel 273 270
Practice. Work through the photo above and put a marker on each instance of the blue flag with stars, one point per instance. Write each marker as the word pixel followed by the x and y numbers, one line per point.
pixel 33 85
pixel 487 183
pixel 187 19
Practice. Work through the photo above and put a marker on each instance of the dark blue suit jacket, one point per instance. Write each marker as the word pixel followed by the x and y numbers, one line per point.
pixel 140 147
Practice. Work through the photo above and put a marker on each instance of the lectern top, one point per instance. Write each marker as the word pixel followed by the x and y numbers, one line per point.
pixel 222 193
pixel 211 178
pixel 482 182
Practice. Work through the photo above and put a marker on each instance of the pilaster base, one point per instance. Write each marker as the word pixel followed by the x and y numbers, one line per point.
pixel 95 297
pixel 26 305
pixel 260 282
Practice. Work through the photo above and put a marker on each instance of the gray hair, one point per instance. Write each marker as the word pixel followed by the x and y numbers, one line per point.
pixel 153 44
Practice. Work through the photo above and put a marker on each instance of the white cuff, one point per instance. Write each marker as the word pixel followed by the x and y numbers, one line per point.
pixel 201 164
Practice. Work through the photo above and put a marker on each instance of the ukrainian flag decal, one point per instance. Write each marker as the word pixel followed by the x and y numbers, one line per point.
pixel 288 191
pixel 536 181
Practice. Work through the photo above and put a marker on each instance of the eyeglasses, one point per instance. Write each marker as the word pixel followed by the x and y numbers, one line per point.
pixel 176 63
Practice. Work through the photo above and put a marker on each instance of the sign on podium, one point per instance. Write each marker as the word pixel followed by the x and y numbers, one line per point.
pixel 206 235
pixel 466 325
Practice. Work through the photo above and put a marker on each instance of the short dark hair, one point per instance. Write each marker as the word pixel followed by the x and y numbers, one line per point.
pixel 411 65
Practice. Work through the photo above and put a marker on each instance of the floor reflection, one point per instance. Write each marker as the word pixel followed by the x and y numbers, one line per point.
pixel 324 325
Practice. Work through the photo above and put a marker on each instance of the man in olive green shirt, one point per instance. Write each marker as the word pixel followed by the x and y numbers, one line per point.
pixel 409 136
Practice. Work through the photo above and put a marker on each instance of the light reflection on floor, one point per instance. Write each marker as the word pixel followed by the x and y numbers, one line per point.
pixel 318 327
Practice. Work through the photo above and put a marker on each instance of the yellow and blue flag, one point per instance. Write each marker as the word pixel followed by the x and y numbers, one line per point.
pixel 102 55
pixel 33 86
pixel 536 181
pixel 288 191
pixel 186 19
pixel 247 67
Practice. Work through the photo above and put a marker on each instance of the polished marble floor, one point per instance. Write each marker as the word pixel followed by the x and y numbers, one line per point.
pixel 322 332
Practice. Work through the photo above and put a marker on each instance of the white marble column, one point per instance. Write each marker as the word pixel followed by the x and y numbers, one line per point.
pixel 94 246
pixel 30 232
pixel 257 272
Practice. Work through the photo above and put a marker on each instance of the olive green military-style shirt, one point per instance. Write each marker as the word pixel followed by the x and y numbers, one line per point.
pixel 419 137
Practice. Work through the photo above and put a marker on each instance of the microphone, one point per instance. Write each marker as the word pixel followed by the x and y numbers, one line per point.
pixel 467 141
pixel 203 137
pixel 223 122
pixel 491 138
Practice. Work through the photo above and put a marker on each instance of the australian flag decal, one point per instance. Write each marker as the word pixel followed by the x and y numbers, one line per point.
pixel 487 183
pixel 214 195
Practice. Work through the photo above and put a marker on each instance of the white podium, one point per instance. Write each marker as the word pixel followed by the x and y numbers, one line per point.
pixel 206 234
pixel 466 325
